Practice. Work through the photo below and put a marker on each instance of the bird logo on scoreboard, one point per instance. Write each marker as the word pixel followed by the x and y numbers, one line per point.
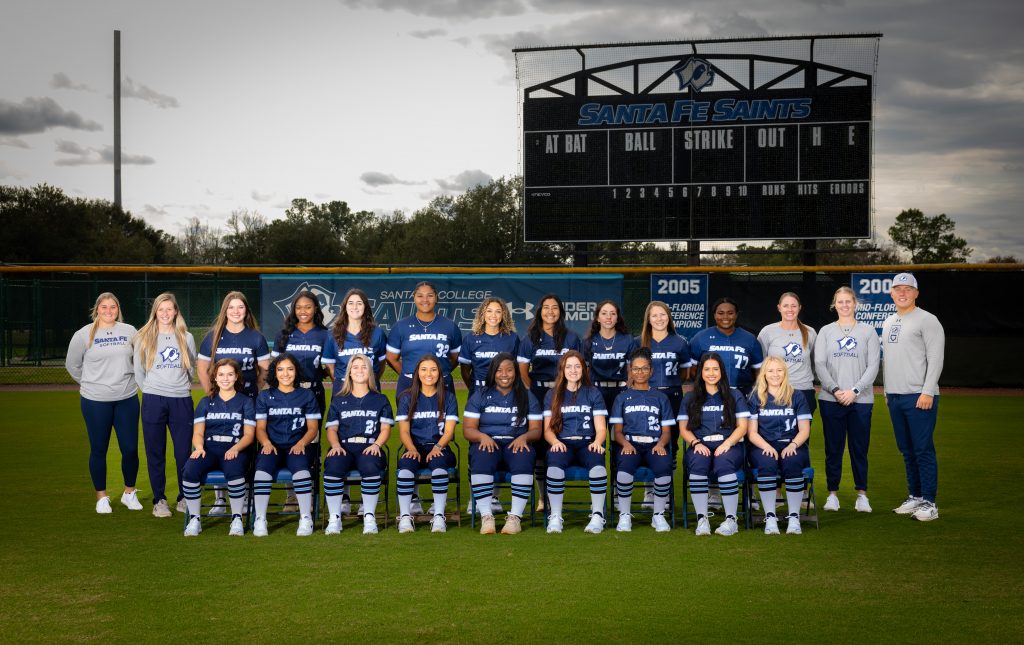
pixel 695 73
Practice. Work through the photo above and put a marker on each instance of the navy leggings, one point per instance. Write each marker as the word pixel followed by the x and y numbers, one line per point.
pixel 123 418
pixel 160 414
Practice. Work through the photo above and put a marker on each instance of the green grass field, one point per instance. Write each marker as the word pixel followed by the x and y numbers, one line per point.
pixel 71 575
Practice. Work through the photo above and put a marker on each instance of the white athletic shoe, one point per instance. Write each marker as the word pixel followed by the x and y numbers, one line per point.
pixel 595 525
pixel 405 525
pixel 625 524
pixel 433 510
pixel 703 526
pixel 648 502
pixel 926 512
pixel 259 528
pixel 909 505
pixel 305 526
pixel 755 505
pixel 219 507
pixel 194 527
pixel 359 511
pixel 832 503
pixel 715 500
pixel 181 507
pixel 291 504
pixel 369 524
pixel 333 525
pixel 103 505
pixel 438 524
pixel 728 527
pixel 346 505
pixel 862 505
pixel 793 528
pixel 659 523
pixel 416 507
pixel 160 509
pixel 496 505
pixel 555 524
pixel 131 500
pixel 237 527
pixel 771 525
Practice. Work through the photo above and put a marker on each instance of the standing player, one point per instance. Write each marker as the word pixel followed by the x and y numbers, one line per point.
pixel 165 354
pixel 358 423
pixel 642 419
pixel 287 421
pixel 502 418
pixel 739 350
pixel 846 356
pixel 779 426
pixel 99 359
pixel 913 345
pixel 224 426
pixel 493 333
pixel 425 332
pixel 427 415
pixel 607 349
pixel 793 341
pixel 575 428
pixel 354 332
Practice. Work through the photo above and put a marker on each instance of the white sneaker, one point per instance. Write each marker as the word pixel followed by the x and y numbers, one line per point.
pixel 305 526
pixel 237 527
pixel 555 523
pixel 703 526
pixel 181 507
pixel 926 512
pixel 333 525
pixel 433 510
pixel 291 504
pixel 416 507
pixel 832 503
pixel 103 505
pixel 496 505
pixel 259 528
pixel 862 505
pixel 771 525
pixel 438 524
pixel 625 524
pixel 131 500
pixel 728 527
pixel 405 525
pixel 219 507
pixel 755 505
pixel 359 511
pixel 909 505
pixel 715 500
pixel 346 505
pixel 793 528
pixel 595 525
pixel 194 527
pixel 160 509
pixel 659 523
pixel 648 502
pixel 369 524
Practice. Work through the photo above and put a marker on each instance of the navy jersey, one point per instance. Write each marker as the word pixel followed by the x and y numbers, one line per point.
pixel 338 357
pixel 248 347
pixel 776 422
pixel 411 339
pixel 578 411
pixel 225 420
pixel 668 358
pixel 286 413
pixel 607 358
pixel 642 412
pixel 497 412
pixel 741 353
pixel 354 416
pixel 479 350
pixel 427 424
pixel 308 349
pixel 711 413
pixel 543 358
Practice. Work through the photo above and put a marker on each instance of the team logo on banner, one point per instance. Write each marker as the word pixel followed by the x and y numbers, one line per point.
pixel 324 296
pixel 695 73
pixel 526 311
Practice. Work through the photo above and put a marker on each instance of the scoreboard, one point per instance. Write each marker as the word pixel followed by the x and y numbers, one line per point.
pixel 699 165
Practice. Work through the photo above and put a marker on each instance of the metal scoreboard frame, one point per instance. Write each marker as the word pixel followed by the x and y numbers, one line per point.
pixel 731 139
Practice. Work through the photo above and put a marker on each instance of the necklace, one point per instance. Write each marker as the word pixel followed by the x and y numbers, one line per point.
pixel 425 327
pixel 607 347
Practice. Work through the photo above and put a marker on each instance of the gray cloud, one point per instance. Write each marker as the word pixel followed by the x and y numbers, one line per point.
pixel 261 197
pixel 464 180
pixel 375 179
pixel 427 33
pixel 61 81
pixel 35 115
pixel 87 156
pixel 13 142
pixel 6 171
pixel 458 9
pixel 130 90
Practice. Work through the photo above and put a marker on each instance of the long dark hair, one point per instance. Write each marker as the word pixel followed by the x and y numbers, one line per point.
pixel 537 326
pixel 700 395
pixel 292 321
pixel 561 387
pixel 414 390
pixel 272 370
pixel 366 325
pixel 522 395
pixel 595 326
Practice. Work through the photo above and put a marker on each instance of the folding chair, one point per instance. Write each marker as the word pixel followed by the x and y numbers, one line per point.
pixel 423 477
pixel 502 481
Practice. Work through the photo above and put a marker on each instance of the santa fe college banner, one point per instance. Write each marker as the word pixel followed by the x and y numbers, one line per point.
pixel 874 304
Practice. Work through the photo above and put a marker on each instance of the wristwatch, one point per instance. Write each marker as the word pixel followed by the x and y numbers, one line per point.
pixel 855 391
pixel 834 390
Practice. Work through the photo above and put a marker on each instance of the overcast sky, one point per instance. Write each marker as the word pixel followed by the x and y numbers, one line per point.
pixel 386 104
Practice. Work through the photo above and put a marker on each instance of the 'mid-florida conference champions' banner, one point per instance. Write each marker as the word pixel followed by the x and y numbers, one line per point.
pixel 458 296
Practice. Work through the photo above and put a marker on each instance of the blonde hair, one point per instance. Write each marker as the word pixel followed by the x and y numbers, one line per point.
pixel 647 332
pixel 785 396
pixel 346 386
pixel 146 338
pixel 94 313
pixel 506 326
pixel 843 289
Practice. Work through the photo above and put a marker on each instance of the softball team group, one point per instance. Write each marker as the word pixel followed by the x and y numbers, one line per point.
pixel 538 406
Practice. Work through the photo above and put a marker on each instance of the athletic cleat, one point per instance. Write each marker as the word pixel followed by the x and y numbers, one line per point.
pixel 512 526
pixel 131 500
pixel 497 508
pixel 259 527
pixel 555 524
pixel 405 524
pixel 103 505
pixel 219 507
pixel 832 503
pixel 346 505
pixel 755 505
pixel 728 527
pixel 648 502
pixel 793 528
pixel 291 504
pixel 438 524
pixel 715 500
pixel 625 524
pixel 181 507
pixel 305 526
pixel 487 525
pixel 160 509
pixel 909 505
pixel 926 512
pixel 771 524
pixel 862 505
pixel 360 510
pixel 595 525
pixel 237 527
pixel 703 526
pixel 194 527
pixel 659 523
pixel 333 525
pixel 416 507
pixel 433 509
pixel 369 524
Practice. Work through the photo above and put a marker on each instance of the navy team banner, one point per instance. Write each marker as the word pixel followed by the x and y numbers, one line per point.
pixel 874 304
pixel 686 295
pixel 458 296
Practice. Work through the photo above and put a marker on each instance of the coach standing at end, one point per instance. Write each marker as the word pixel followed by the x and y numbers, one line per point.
pixel 913 343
